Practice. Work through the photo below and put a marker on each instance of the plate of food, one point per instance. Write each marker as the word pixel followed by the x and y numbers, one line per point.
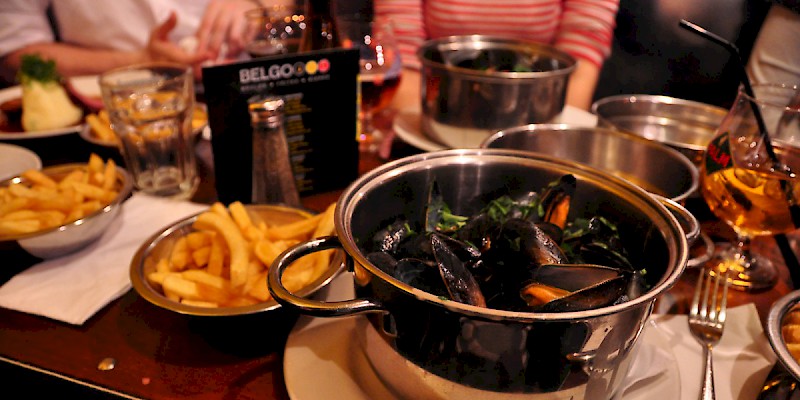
pixel 40 106
pixel 98 126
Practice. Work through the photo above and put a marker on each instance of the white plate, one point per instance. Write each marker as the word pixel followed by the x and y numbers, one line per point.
pixel 15 160
pixel 16 91
pixel 407 126
pixel 326 351
pixel 87 89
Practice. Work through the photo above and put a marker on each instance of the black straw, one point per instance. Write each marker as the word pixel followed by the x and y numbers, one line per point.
pixel 748 88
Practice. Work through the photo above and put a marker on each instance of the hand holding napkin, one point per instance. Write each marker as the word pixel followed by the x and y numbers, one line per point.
pixel 742 359
pixel 74 287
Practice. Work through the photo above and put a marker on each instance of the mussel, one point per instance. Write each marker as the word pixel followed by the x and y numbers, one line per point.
pixel 574 287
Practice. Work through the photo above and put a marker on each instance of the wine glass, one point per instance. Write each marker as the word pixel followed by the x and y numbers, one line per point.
pixel 751 183
pixel 274 30
pixel 379 74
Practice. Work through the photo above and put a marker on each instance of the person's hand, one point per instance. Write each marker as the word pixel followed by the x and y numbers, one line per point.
pixel 160 48
pixel 224 23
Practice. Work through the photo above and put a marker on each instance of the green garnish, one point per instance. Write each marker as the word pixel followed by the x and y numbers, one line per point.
pixel 35 68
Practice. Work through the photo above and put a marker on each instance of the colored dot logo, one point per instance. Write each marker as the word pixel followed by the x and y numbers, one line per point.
pixel 324 66
pixel 312 67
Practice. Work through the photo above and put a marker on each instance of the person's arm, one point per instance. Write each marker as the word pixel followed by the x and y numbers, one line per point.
pixel 224 22
pixel 74 60
pixel 586 32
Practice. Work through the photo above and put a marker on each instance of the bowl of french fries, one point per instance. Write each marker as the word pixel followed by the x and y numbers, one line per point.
pixel 61 209
pixel 783 331
pixel 215 263
pixel 98 130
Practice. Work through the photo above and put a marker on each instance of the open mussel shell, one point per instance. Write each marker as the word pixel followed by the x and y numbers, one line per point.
pixel 582 286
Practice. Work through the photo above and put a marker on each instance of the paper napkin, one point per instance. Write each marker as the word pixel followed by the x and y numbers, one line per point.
pixel 742 359
pixel 74 287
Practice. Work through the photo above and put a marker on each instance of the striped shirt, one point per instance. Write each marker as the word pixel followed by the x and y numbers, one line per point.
pixel 581 28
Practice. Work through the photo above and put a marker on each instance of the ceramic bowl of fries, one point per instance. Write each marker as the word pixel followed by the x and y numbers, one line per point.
pixel 215 263
pixel 61 209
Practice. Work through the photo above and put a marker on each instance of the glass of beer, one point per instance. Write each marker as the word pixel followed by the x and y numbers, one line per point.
pixel 751 184
pixel 379 74
pixel 150 107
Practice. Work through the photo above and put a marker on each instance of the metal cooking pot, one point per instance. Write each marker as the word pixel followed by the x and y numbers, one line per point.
pixel 451 349
pixel 684 125
pixel 650 165
pixel 475 85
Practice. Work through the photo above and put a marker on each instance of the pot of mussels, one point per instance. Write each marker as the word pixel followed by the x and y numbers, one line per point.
pixel 494 273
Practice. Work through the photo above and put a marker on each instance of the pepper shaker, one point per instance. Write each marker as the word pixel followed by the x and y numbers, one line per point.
pixel 273 179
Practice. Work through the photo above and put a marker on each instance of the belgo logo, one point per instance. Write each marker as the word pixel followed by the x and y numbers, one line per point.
pixel 284 71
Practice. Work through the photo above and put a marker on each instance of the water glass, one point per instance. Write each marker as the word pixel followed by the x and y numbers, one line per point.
pixel 150 107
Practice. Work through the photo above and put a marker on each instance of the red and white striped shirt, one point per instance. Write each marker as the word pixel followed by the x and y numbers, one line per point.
pixel 581 28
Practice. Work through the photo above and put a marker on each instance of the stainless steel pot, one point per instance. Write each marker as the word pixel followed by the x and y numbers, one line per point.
pixel 684 125
pixel 451 349
pixel 650 165
pixel 475 85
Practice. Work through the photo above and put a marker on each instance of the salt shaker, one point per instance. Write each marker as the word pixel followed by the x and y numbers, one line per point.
pixel 273 179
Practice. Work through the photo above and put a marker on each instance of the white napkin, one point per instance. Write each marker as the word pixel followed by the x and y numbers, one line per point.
pixel 742 359
pixel 74 287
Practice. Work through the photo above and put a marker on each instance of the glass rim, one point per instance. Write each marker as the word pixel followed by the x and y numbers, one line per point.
pixel 103 78
pixel 771 102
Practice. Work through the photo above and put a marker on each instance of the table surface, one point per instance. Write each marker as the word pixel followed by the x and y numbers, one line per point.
pixel 160 354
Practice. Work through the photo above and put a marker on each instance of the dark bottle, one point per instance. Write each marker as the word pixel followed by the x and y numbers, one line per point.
pixel 320 32
pixel 273 179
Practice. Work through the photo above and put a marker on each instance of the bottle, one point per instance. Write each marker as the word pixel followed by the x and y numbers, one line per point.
pixel 320 32
pixel 273 179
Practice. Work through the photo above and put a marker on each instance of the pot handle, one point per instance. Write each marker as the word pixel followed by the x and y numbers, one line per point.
pixel 690 225
pixel 308 306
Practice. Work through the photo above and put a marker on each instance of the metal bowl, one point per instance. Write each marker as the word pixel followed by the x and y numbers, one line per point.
pixel 67 238
pixel 685 125
pixel 775 319
pixel 475 85
pixel 649 165
pixel 160 245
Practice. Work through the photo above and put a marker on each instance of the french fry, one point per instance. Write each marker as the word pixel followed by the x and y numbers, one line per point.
pixel 233 239
pixel 38 178
pixel 240 216
pixel 199 239
pixel 216 257
pixel 8 228
pixel 300 229
pixel 101 128
pixel 109 175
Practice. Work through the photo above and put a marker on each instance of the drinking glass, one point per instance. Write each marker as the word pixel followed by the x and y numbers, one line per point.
pixel 379 73
pixel 150 107
pixel 274 30
pixel 753 189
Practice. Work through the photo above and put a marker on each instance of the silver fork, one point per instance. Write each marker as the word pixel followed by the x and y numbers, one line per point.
pixel 706 321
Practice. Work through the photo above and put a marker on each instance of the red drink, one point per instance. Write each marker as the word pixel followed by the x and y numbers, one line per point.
pixel 377 90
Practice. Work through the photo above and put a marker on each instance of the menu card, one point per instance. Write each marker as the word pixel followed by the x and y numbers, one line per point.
pixel 320 91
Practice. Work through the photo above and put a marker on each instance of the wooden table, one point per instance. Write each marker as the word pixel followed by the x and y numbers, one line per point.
pixel 160 354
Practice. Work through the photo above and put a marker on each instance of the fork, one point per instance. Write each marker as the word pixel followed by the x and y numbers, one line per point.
pixel 706 321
